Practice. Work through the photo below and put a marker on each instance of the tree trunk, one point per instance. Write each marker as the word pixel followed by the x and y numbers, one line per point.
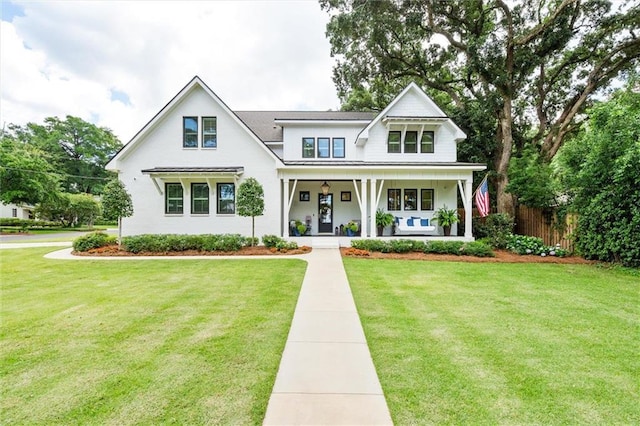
pixel 504 200
pixel 119 233
pixel 253 229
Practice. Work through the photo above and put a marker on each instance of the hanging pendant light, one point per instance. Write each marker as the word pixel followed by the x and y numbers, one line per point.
pixel 325 188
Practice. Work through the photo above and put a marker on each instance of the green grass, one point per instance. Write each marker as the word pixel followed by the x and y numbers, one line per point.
pixel 142 342
pixel 473 343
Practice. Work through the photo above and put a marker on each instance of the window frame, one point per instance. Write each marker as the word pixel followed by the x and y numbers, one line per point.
pixel 312 151
pixel 414 143
pixel 194 199
pixel 205 133
pixel 343 149
pixel 431 200
pixel 187 132
pixel 405 199
pixel 219 199
pixel 328 141
pixel 168 198
pixel 398 143
pixel 433 141
pixel 394 194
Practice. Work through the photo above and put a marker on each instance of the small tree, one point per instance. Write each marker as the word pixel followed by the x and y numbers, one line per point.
pixel 250 202
pixel 116 204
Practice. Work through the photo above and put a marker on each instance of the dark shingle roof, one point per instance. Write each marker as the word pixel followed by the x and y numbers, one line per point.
pixel 262 123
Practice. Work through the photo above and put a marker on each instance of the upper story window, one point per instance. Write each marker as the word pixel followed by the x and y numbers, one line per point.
pixel 173 201
pixel 308 147
pixel 426 142
pixel 393 144
pixel 209 132
pixel 338 147
pixel 190 132
pixel 411 142
pixel 199 198
pixel 323 148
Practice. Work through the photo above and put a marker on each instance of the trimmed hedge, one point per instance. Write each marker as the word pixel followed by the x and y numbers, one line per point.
pixel 28 223
pixel 93 240
pixel 175 242
pixel 472 248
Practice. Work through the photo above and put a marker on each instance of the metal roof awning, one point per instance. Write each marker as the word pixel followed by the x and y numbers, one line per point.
pixel 183 173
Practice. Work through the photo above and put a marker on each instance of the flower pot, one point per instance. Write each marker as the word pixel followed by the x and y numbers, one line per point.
pixel 380 230
pixel 350 233
pixel 447 230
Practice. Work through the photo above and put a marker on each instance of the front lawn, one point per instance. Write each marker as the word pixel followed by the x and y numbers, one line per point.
pixel 142 342
pixel 467 343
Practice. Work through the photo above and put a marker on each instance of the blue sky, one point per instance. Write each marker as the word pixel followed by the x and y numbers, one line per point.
pixel 116 63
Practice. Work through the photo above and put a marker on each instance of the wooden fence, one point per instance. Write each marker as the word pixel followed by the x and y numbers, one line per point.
pixel 541 223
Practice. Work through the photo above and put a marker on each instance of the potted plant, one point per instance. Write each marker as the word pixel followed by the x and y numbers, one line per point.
pixel 301 227
pixel 445 218
pixel 383 220
pixel 351 228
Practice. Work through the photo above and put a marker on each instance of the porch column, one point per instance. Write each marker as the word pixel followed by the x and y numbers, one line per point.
pixel 363 210
pixel 372 221
pixel 468 212
pixel 285 208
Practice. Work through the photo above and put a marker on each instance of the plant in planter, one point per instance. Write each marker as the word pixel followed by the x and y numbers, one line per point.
pixel 301 227
pixel 352 228
pixel 383 220
pixel 445 218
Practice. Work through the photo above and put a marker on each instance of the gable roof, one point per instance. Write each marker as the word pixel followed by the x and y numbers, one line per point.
pixel 195 82
pixel 439 116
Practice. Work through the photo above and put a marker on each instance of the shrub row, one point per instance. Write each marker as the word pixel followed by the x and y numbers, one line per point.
pixel 273 241
pixel 174 242
pixel 472 248
pixel 93 240
pixel 523 244
pixel 28 223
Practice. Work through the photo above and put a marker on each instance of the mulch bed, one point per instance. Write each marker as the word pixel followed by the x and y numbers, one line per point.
pixel 502 256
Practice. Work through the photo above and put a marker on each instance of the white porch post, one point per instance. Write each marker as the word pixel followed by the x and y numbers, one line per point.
pixel 363 210
pixel 468 212
pixel 374 199
pixel 285 208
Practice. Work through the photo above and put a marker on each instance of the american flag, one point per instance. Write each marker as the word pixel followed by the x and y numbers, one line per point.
pixel 482 198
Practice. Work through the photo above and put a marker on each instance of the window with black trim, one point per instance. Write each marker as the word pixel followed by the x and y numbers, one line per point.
pixel 393 144
pixel 226 198
pixel 209 132
pixel 323 148
pixel 173 201
pixel 411 199
pixel 393 199
pixel 410 142
pixel 199 198
pixel 308 147
pixel 338 147
pixel 190 132
pixel 426 142
pixel 426 199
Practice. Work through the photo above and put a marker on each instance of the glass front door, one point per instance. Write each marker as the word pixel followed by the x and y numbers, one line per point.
pixel 325 213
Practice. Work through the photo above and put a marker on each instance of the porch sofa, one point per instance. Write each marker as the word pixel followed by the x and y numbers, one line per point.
pixel 413 225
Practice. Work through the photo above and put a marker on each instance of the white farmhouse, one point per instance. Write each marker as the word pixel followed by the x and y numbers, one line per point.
pixel 324 169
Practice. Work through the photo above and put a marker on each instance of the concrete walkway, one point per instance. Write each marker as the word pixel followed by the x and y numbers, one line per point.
pixel 326 373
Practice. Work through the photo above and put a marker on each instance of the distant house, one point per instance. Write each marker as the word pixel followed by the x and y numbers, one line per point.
pixel 328 168
pixel 17 211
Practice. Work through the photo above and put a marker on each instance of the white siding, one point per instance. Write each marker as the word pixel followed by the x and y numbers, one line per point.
pixel 293 135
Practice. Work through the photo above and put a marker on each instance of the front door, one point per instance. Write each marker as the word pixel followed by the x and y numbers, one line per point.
pixel 325 213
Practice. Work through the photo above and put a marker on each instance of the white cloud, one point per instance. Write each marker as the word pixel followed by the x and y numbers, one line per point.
pixel 69 57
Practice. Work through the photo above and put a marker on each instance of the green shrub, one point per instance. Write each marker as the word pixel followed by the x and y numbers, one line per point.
pixel 270 241
pixel 372 245
pixel 28 223
pixel 406 246
pixel 477 249
pixel 444 247
pixel 496 228
pixel 283 245
pixel 92 241
pixel 251 241
pixel 524 244
pixel 163 243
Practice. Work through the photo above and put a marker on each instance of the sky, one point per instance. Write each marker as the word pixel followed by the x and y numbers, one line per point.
pixel 117 63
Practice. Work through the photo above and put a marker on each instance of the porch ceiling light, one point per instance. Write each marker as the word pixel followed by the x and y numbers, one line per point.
pixel 325 188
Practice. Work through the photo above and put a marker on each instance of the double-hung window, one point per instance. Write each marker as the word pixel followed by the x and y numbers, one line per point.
pixel 323 148
pixel 190 132
pixel 226 198
pixel 393 144
pixel 393 199
pixel 209 132
pixel 411 142
pixel 199 198
pixel 173 202
pixel 338 147
pixel 426 199
pixel 308 147
pixel 426 142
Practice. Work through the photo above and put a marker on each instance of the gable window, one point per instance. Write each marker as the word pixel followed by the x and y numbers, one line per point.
pixel 411 142
pixel 338 147
pixel 411 199
pixel 426 142
pixel 393 144
pixel 308 148
pixel 199 198
pixel 173 203
pixel 323 147
pixel 209 132
pixel 393 199
pixel 190 132
pixel 426 199
pixel 226 198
